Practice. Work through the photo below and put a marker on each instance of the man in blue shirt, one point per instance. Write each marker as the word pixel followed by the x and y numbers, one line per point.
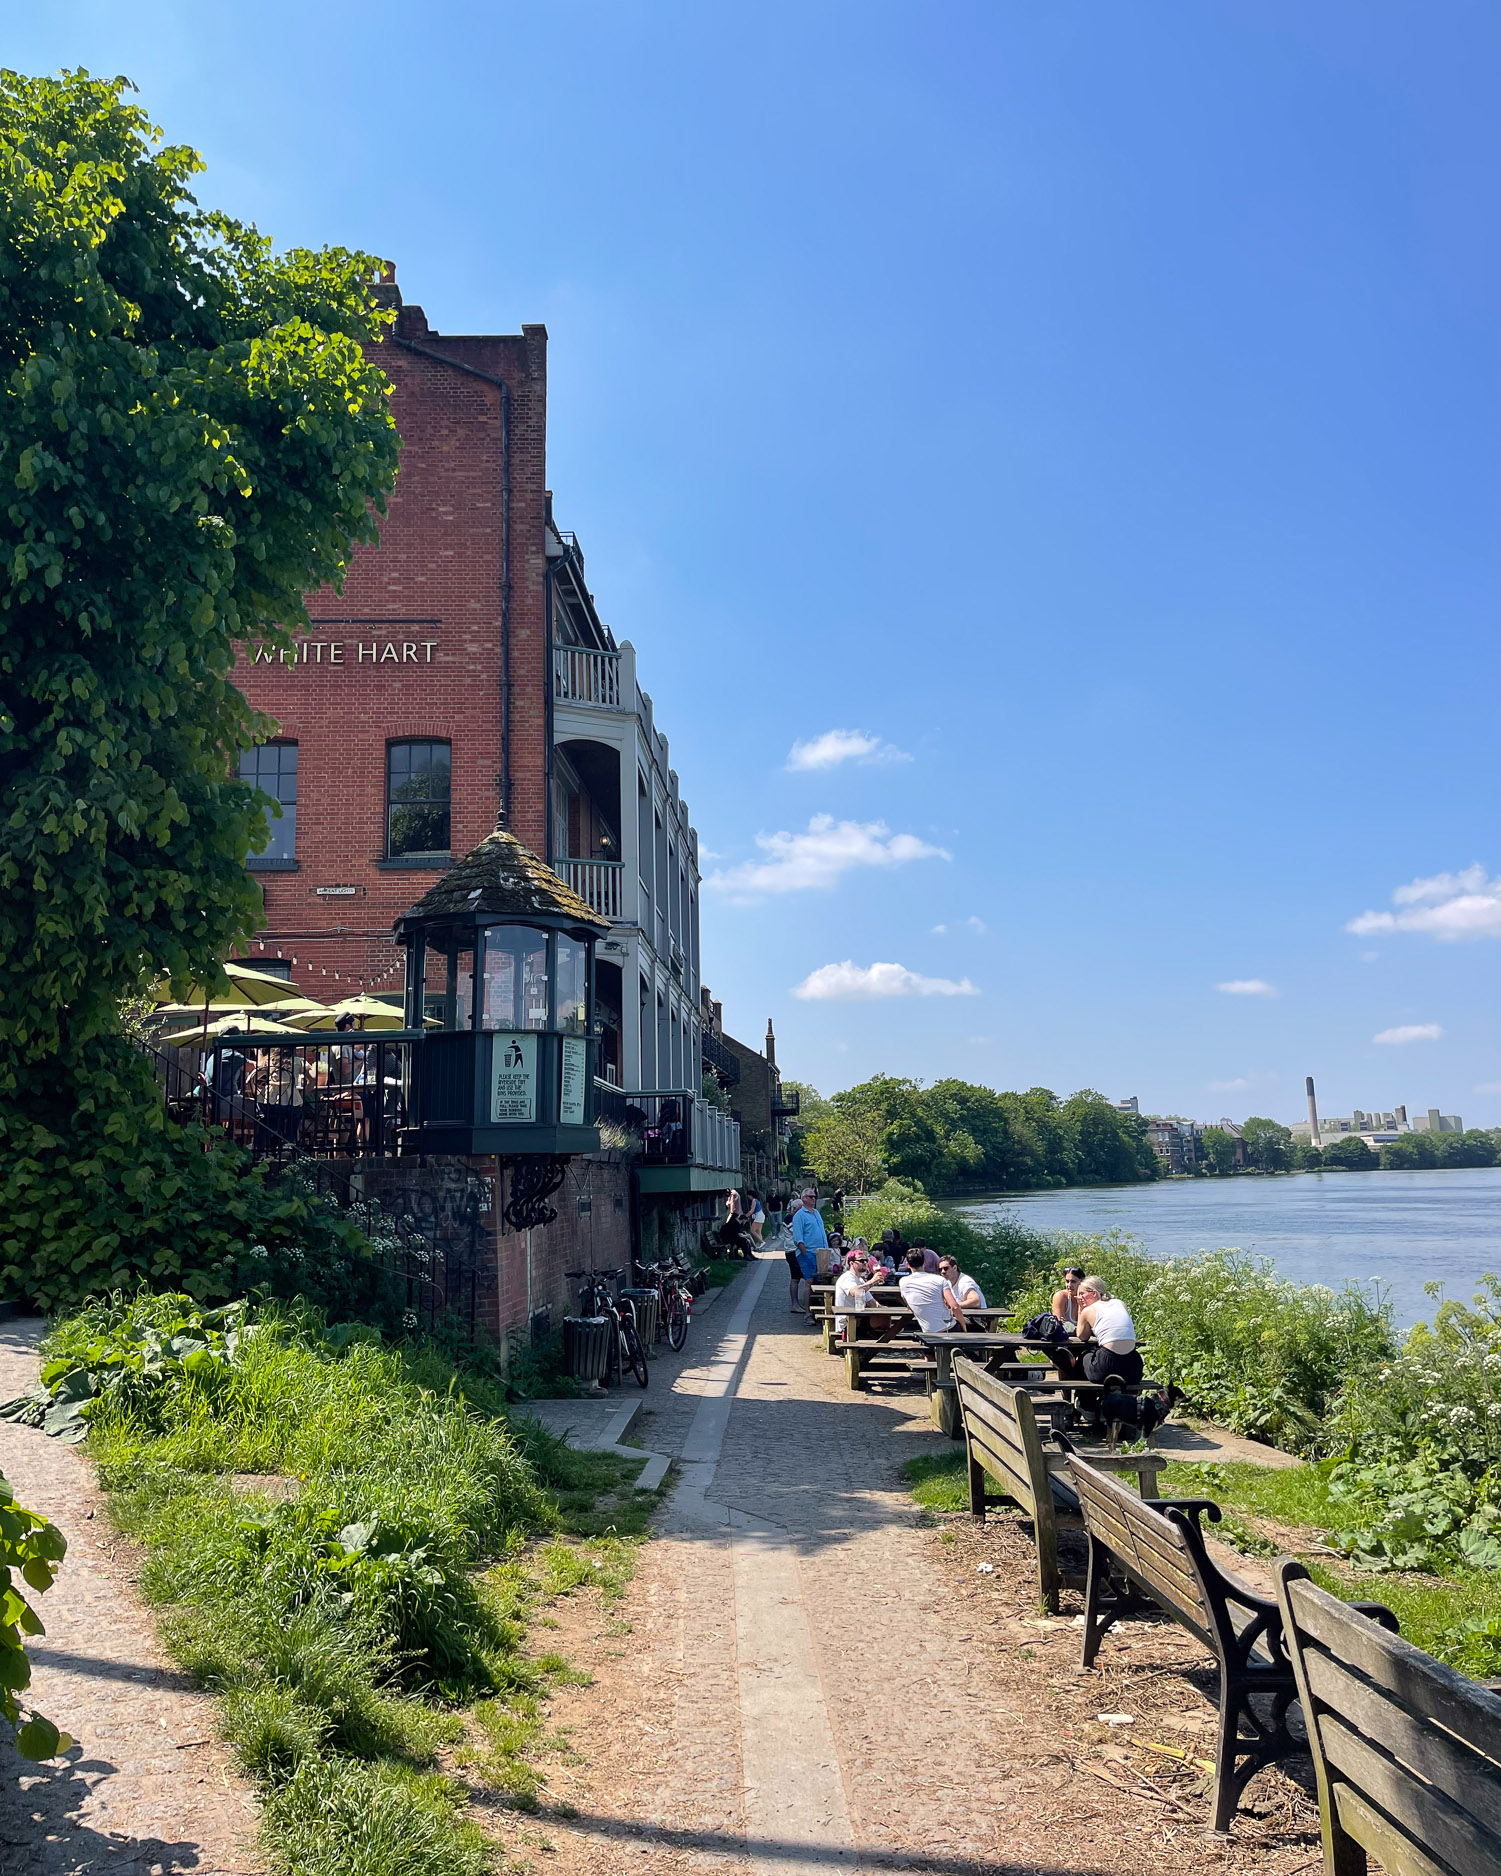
pixel 811 1238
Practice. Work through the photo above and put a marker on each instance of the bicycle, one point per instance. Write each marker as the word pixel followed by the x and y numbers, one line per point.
pixel 675 1304
pixel 625 1350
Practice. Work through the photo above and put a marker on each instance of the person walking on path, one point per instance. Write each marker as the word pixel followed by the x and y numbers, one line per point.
pixel 811 1238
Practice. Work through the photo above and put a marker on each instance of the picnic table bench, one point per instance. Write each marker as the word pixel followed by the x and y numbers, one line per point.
pixel 1039 1378
pixel 1407 1752
pixel 1003 1440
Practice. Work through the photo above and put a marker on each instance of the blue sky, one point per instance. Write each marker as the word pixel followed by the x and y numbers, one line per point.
pixel 1092 411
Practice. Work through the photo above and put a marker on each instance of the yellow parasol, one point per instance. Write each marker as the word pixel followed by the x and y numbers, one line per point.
pixel 230 1025
pixel 368 1013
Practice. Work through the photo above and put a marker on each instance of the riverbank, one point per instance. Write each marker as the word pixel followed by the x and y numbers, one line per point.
pixel 1395 1230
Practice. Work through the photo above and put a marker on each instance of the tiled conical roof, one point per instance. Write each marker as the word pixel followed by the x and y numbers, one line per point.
pixel 507 880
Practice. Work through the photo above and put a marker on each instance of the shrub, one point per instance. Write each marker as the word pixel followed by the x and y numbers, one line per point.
pixel 30 1548
pixel 1257 1353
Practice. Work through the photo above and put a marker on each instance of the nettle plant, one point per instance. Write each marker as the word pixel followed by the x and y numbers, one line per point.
pixel 1422 1438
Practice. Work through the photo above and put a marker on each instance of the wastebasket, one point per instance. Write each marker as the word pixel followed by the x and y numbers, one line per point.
pixel 586 1346
pixel 648 1311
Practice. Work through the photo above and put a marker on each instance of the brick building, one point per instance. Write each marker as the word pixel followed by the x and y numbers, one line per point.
pixel 462 672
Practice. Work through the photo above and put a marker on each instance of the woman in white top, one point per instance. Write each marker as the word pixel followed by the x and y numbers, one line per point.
pixel 1108 1333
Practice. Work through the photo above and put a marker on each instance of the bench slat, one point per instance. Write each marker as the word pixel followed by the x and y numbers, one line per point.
pixel 1446 1762
pixel 1173 1580
pixel 1397 1854
pixel 1423 1814
pixel 1415 1680
pixel 1143 1538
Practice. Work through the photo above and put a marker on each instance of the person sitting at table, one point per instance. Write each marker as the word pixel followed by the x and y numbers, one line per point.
pixel 892 1247
pixel 929 1255
pixel 967 1293
pixel 1066 1301
pixel 274 1082
pixel 1108 1334
pixel 929 1298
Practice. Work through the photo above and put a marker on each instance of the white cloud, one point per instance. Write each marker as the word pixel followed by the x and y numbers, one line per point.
pixel 939 930
pixel 1410 1032
pixel 1247 987
pixel 835 746
pixel 1448 906
pixel 862 983
pixel 817 859
pixel 976 925
pixel 1229 1087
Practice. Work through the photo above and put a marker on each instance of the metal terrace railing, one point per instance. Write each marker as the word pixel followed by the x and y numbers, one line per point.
pixel 343 1097
pixel 581 676
pixel 678 1127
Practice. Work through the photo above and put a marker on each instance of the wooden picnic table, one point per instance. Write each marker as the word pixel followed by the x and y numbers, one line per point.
pixel 1045 1380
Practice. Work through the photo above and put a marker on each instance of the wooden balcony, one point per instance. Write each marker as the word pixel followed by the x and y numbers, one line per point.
pixel 591 678
pixel 600 883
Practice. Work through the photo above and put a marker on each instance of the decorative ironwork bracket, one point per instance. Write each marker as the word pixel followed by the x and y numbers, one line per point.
pixel 534 1179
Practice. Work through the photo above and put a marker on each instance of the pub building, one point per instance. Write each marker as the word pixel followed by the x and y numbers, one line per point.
pixel 463 680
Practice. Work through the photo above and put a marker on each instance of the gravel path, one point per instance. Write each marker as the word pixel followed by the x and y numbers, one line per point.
pixel 809 1676
pixel 147 1789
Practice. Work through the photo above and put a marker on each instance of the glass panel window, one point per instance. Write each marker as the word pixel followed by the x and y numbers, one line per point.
pixel 573 985
pixel 417 796
pixel 514 994
pixel 448 982
pixel 273 768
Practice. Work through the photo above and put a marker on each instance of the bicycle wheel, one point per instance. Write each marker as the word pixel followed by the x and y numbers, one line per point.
pixel 677 1320
pixel 635 1354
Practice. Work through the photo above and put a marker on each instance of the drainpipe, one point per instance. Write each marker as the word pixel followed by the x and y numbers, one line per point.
pixel 486 377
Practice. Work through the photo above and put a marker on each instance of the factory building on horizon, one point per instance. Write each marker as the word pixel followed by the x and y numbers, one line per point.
pixel 1377 1127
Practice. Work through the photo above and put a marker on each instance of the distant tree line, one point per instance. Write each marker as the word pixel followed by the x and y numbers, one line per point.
pixel 956 1136
pixel 1271 1147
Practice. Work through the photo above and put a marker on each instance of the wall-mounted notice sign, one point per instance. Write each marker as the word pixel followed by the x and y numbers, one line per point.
pixel 575 1069
pixel 513 1083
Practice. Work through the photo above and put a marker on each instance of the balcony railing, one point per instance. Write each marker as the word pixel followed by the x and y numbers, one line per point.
pixel 600 883
pixel 677 1126
pixel 337 1098
pixel 719 1058
pixel 580 676
pixel 787 1101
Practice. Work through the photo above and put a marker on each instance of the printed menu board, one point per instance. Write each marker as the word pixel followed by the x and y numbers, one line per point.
pixel 575 1068
pixel 513 1078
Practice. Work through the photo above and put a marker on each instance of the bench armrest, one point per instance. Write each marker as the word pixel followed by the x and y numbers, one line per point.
pixel 1378 1612
pixel 1191 1507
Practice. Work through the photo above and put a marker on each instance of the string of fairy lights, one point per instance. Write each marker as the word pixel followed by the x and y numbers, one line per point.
pixel 394 976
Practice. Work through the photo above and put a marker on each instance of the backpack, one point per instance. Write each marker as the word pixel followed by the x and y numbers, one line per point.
pixel 1145 1412
pixel 1045 1328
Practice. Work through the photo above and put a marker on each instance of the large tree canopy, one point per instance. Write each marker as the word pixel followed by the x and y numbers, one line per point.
pixel 191 438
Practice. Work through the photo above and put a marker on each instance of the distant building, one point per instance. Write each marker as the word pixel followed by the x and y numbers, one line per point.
pixel 1129 1106
pixel 1435 1122
pixel 1175 1141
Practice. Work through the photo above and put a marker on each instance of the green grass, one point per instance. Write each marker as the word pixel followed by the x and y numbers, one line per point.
pixel 373 1609
pixel 720 1271
pixel 1290 1494
pixel 940 1481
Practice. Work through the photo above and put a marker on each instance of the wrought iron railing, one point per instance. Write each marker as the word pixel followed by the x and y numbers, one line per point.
pixel 677 1127
pixel 581 676
pixel 724 1062
pixel 340 1097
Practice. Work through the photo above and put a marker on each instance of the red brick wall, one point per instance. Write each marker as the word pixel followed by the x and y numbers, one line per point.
pixel 431 592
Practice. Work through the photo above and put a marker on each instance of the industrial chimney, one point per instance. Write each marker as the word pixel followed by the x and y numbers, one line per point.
pixel 1313 1114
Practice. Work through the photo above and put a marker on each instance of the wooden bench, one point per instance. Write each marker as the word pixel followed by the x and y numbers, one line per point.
pixel 1002 1439
pixel 1407 1752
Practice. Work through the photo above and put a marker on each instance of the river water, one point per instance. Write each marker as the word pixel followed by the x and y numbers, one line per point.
pixel 1404 1229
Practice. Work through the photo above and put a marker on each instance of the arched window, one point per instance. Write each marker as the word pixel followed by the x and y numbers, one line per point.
pixel 417 797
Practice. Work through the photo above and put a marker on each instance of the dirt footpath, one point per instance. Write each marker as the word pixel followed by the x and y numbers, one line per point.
pixel 807 1674
pixel 148 1788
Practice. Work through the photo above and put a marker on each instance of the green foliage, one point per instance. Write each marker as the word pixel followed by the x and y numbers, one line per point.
pixel 30 1549
pixel 1258 1354
pixel 1348 1153
pixel 1219 1150
pixel 192 438
pixel 844 1149
pixel 338 1818
pixel 1269 1145
pixel 956 1135
pixel 1413 1152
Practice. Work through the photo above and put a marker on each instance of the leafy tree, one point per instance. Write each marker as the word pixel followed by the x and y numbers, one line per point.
pixel 1269 1145
pixel 1409 1152
pixel 191 438
pixel 812 1106
pixel 1472 1148
pixel 1349 1153
pixel 844 1148
pixel 1219 1150
pixel 1109 1147
pixel 1306 1157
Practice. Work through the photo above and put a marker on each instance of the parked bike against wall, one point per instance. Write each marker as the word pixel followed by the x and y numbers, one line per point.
pixel 675 1303
pixel 625 1348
